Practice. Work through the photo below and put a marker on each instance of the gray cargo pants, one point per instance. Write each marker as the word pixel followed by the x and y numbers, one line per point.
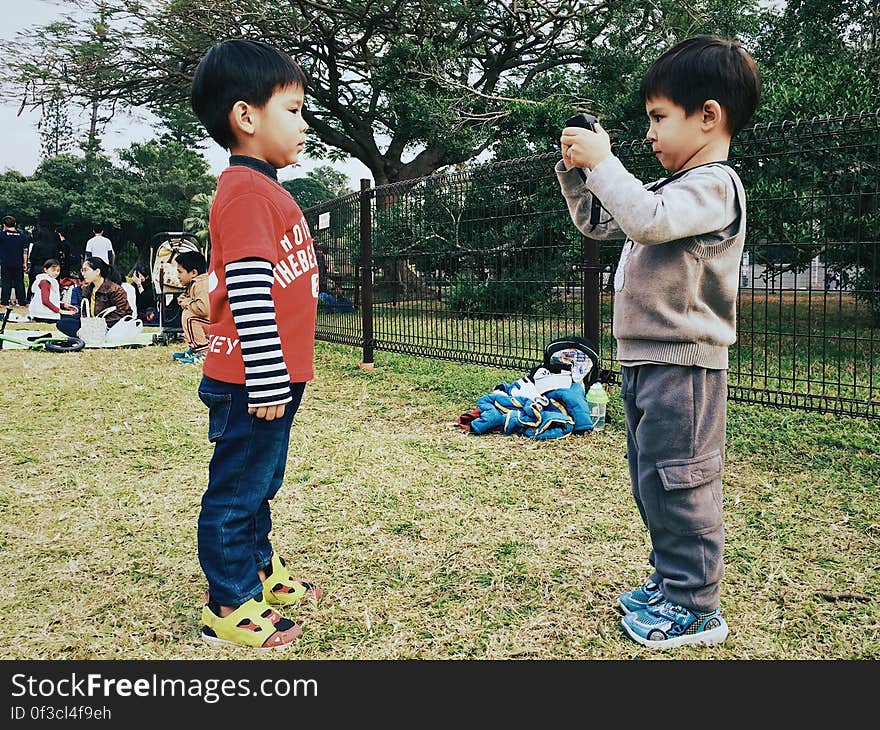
pixel 676 419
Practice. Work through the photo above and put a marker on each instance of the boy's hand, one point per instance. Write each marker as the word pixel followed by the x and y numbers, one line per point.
pixel 270 413
pixel 583 148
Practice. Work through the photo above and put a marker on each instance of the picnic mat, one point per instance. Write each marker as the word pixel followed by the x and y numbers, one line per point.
pixel 141 340
pixel 144 338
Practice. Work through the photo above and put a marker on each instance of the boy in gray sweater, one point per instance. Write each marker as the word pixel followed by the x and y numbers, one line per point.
pixel 674 319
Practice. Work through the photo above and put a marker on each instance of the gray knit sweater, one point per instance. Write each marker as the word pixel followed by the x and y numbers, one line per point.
pixel 677 281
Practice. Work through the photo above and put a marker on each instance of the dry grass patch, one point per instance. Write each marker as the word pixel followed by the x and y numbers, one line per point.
pixel 430 542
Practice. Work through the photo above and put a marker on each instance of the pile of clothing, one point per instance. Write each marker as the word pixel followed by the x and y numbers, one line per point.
pixel 541 405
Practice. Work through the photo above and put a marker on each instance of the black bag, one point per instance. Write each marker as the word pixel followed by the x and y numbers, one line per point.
pixel 577 354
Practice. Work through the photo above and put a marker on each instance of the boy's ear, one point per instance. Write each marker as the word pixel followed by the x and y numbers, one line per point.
pixel 712 114
pixel 241 118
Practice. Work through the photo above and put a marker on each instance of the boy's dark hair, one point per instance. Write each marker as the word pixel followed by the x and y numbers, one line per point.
pixel 8 220
pixel 706 67
pixel 49 263
pixel 238 70
pixel 190 260
pixel 97 229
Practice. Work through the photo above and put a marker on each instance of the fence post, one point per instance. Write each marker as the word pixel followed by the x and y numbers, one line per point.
pixel 591 285
pixel 366 273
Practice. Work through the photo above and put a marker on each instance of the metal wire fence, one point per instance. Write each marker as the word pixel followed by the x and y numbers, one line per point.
pixel 485 266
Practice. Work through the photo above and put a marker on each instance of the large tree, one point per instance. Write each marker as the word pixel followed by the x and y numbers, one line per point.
pixel 409 87
pixel 405 86
pixel 71 62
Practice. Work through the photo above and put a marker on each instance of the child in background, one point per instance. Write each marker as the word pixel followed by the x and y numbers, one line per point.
pixel 71 295
pixel 194 306
pixel 45 304
pixel 674 319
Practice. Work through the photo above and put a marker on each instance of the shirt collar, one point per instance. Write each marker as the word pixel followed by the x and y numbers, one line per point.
pixel 255 164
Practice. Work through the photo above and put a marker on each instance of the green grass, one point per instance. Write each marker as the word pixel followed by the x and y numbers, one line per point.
pixel 430 542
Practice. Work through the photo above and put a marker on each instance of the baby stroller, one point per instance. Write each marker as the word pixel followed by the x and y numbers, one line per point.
pixel 164 250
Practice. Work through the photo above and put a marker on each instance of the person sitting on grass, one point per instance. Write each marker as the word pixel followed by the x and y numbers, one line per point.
pixel 71 294
pixel 101 292
pixel 145 295
pixel 330 300
pixel 47 246
pixel 194 305
pixel 45 304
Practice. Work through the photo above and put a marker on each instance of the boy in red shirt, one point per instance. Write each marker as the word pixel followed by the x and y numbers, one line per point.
pixel 263 291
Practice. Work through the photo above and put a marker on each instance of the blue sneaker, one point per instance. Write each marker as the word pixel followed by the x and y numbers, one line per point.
pixel 191 359
pixel 638 598
pixel 182 355
pixel 664 625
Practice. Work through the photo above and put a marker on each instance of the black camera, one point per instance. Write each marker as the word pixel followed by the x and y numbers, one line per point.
pixel 587 121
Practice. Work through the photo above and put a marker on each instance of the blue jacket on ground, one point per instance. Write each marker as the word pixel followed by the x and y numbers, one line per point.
pixel 554 414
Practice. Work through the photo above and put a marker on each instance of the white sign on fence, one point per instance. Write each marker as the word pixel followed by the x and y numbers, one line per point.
pixel 323 221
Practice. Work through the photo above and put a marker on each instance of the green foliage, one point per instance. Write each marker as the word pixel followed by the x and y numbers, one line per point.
pixel 514 292
pixel 198 217
pixel 418 103
pixel 307 191
pixel 334 180
pixel 27 199
pixel 163 178
pixel 819 59
pixel 178 123
pixel 807 85
pixel 441 82
pixel 56 131
pixel 535 119
pixel 434 78
pixel 147 192
pixel 72 61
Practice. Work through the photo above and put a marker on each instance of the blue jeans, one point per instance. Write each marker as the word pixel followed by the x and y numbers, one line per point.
pixel 246 471
pixel 69 324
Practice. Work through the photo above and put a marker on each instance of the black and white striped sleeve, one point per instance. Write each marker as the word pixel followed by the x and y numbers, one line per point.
pixel 249 287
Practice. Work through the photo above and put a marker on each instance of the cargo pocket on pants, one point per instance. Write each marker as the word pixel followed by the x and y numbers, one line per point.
pixel 691 502
pixel 219 405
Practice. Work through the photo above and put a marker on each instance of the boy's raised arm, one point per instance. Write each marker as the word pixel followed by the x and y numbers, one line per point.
pixel 579 200
pixel 691 206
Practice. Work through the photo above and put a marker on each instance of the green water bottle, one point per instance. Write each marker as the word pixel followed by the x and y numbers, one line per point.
pixel 597 400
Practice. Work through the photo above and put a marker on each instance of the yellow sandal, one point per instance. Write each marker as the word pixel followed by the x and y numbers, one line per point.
pixel 282 589
pixel 252 624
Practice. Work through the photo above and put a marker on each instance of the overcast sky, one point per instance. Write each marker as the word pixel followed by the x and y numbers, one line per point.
pixel 19 139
